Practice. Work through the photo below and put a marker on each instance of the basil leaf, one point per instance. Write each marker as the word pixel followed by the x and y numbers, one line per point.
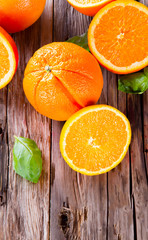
pixel 80 41
pixel 27 161
pixel 134 83
pixel 146 71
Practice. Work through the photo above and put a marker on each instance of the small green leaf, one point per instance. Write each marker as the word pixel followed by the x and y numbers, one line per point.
pixel 80 41
pixel 146 71
pixel 27 161
pixel 136 83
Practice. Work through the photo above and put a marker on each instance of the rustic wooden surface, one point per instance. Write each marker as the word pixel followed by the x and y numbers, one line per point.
pixel 65 204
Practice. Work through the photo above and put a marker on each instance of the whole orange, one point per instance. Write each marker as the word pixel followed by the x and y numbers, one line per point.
pixel 62 78
pixel 17 15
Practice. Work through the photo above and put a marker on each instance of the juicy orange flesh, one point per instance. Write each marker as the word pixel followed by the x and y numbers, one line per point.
pixel 87 1
pixel 121 36
pixel 4 61
pixel 96 140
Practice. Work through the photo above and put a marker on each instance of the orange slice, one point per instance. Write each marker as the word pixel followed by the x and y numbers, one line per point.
pixel 118 36
pixel 8 58
pixel 88 7
pixel 95 139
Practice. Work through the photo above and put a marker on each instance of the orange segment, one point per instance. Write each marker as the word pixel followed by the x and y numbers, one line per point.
pixel 88 7
pixel 52 97
pixel 4 61
pixel 77 91
pixel 118 34
pixel 8 58
pixel 95 139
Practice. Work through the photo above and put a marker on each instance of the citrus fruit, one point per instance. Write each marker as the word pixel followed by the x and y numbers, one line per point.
pixel 117 36
pixel 8 58
pixel 88 7
pixel 62 78
pixel 95 139
pixel 17 15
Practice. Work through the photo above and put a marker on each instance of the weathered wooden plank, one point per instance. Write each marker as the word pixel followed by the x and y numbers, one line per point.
pixel 120 214
pixel 81 207
pixel 78 203
pixel 139 180
pixel 145 121
pixel 145 129
pixel 3 145
pixel 138 169
pixel 4 161
pixel 26 215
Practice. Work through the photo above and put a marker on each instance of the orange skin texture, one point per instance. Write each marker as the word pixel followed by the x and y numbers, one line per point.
pixel 89 10
pixel 17 15
pixel 13 49
pixel 73 81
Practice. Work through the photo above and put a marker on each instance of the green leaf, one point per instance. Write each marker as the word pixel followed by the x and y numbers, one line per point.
pixel 136 83
pixel 146 71
pixel 27 161
pixel 80 41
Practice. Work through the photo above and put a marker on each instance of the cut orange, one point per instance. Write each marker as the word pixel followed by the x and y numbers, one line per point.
pixel 95 139
pixel 88 7
pixel 118 36
pixel 8 58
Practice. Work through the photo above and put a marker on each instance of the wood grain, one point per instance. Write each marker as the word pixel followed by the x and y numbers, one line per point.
pixel 139 184
pixel 25 215
pixel 78 203
pixel 117 207
pixel 4 161
pixel 65 204
pixel 145 129
pixel 120 213
pixel 138 173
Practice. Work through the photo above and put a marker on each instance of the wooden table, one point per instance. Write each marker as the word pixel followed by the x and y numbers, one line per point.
pixel 65 204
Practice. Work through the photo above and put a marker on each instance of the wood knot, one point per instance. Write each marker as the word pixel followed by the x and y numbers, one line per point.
pixel 64 220
pixel 1 134
pixel 3 198
pixel 72 220
pixel 1 130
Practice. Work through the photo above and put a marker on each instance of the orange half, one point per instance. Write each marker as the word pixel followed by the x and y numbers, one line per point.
pixel 8 58
pixel 95 139
pixel 118 36
pixel 88 7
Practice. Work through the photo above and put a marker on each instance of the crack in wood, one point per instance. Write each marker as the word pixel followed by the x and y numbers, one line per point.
pixel 107 217
pixel 3 147
pixel 134 218
pixel 144 127
pixel 130 177
pixel 145 165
